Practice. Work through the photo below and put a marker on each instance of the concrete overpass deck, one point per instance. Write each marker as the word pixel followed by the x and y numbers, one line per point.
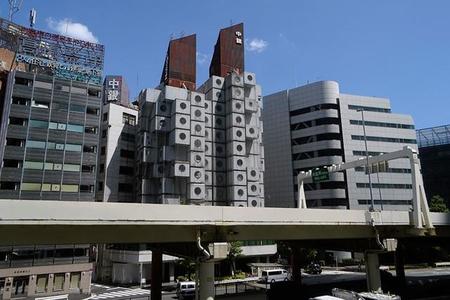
pixel 50 222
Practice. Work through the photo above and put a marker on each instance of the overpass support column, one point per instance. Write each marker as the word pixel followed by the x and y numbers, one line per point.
pixel 373 271
pixel 296 265
pixel 400 266
pixel 207 291
pixel 156 274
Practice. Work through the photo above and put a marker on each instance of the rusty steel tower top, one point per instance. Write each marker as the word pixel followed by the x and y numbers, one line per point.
pixel 228 52
pixel 180 64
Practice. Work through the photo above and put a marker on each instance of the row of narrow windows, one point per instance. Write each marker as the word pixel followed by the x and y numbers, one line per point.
pixel 389 170
pixel 53 125
pixel 94 92
pixel 384 202
pixel 369 108
pixel 55 105
pixel 46 187
pixel 384 185
pixel 384 139
pixel 50 145
pixel 382 124
pixel 316 107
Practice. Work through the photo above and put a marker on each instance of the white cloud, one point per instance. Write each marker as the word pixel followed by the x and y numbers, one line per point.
pixel 257 45
pixel 72 29
pixel 202 58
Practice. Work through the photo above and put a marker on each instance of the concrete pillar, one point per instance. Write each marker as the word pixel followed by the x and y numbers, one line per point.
pixel 32 285
pixel 156 274
pixel 373 271
pixel 7 291
pixel 51 278
pixel 296 266
pixel 206 283
pixel 172 272
pixel 400 266
pixel 66 282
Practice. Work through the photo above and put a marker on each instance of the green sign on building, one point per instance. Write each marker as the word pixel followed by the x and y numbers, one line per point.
pixel 319 175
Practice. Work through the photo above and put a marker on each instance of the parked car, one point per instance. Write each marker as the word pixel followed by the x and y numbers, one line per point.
pixel 275 275
pixel 186 290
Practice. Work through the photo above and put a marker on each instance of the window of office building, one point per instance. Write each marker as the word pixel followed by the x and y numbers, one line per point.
pixel 75 280
pixel 27 186
pixel 126 153
pixel 58 283
pixel 128 119
pixel 38 124
pixel 17 121
pixel 76 108
pixel 85 188
pixel 14 142
pixel 88 168
pixel 92 110
pixel 128 137
pixel 41 283
pixel 125 188
pixel 105 116
pixel 20 101
pixel 33 165
pixel 9 185
pixel 74 128
pixel 90 129
pixel 69 188
pixel 12 163
pixel 90 149
pixel 40 104
pixel 126 170
pixel 35 144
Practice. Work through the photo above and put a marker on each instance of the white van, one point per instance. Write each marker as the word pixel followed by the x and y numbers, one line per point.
pixel 186 290
pixel 269 276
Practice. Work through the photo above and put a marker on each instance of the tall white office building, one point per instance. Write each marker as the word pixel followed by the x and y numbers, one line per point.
pixel 315 125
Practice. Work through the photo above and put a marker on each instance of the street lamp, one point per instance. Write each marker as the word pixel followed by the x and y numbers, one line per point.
pixel 367 159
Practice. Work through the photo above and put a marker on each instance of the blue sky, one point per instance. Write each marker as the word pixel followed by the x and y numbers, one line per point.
pixel 396 49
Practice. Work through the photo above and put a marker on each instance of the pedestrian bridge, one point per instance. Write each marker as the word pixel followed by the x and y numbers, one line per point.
pixel 59 222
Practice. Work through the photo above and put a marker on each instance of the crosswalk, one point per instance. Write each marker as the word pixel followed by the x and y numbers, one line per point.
pixel 121 294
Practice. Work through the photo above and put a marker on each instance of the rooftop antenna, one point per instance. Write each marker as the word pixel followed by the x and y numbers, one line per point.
pixel 32 17
pixel 14 7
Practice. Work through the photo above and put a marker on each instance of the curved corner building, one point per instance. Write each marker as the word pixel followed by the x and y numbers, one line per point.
pixel 315 125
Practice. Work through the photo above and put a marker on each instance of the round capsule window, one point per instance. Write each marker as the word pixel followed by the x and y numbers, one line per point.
pixel 197 143
pixel 197 174
pixel 240 162
pixel 198 127
pixel 240 192
pixel 239 133
pixel 238 106
pixel 198 113
pixel 219 121
pixel 198 99
pixel 239 148
pixel 254 203
pixel 240 177
pixel 249 77
pixel 183 105
pixel 183 136
pixel 251 130
pixel 219 164
pixel 197 190
pixel 163 107
pixel 181 168
pixel 238 119
pixel 183 121
pixel 254 188
pixel 237 79
pixel 218 81
pixel 253 173
pixel 198 158
pixel 218 107
pixel 237 92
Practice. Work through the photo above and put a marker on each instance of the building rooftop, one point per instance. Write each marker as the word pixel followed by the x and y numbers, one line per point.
pixel 434 136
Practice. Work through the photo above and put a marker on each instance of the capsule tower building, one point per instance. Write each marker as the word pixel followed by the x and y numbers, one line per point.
pixel 202 146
